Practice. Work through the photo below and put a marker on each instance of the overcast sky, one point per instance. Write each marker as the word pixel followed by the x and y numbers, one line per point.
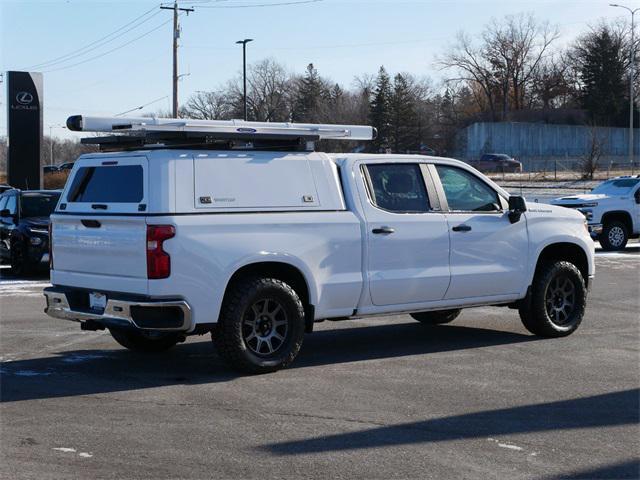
pixel 342 38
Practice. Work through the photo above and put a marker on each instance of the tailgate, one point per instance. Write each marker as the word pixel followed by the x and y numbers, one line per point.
pixel 113 246
pixel 98 242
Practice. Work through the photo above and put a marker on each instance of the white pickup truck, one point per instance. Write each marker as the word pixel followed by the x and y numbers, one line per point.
pixel 612 210
pixel 254 241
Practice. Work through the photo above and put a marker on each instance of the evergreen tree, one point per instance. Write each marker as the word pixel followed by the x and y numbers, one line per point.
pixel 404 120
pixel 602 70
pixel 309 97
pixel 380 111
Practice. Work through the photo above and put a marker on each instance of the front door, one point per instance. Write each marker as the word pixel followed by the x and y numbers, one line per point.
pixel 407 241
pixel 489 254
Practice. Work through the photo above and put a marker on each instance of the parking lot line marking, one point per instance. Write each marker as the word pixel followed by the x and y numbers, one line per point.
pixel 617 255
pixel 510 447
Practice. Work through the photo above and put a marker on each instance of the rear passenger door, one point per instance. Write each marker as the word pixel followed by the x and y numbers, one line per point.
pixel 407 238
pixel 488 252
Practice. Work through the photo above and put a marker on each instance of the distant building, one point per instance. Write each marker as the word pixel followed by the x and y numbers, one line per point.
pixel 538 142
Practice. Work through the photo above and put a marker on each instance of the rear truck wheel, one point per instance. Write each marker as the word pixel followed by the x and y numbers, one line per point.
pixel 614 236
pixel 557 300
pixel 261 326
pixel 19 261
pixel 436 318
pixel 145 341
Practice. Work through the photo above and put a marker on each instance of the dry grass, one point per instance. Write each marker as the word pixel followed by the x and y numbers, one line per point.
pixel 50 181
pixel 55 180
pixel 564 176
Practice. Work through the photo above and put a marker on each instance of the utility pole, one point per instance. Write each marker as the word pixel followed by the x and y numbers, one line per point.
pixel 244 71
pixel 50 144
pixel 176 35
pixel 632 61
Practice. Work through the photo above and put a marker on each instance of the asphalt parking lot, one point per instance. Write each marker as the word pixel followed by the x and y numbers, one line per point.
pixel 375 398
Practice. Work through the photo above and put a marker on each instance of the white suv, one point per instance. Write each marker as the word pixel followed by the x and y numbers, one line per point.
pixel 612 210
pixel 161 241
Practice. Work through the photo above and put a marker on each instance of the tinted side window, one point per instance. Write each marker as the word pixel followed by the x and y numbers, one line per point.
pixel 3 202
pixel 38 204
pixel 117 184
pixel 465 192
pixel 398 187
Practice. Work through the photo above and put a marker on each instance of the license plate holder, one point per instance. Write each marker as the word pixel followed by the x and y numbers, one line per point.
pixel 97 301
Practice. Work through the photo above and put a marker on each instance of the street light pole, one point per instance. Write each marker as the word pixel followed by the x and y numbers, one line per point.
pixel 51 127
pixel 632 55
pixel 244 71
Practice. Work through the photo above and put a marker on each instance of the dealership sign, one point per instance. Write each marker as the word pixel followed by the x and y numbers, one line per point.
pixel 24 128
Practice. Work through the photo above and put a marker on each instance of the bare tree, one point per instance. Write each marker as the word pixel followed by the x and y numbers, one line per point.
pixel 553 84
pixel 269 90
pixel 474 68
pixel 213 105
pixel 595 148
pixel 503 64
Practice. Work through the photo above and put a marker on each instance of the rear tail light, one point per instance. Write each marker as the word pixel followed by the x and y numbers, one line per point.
pixel 158 261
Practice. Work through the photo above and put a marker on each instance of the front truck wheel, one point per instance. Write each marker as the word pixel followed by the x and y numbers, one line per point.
pixel 436 318
pixel 143 341
pixel 558 300
pixel 261 325
pixel 614 236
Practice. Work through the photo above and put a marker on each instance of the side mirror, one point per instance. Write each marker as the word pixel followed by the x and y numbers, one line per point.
pixel 5 212
pixel 517 206
pixel 638 196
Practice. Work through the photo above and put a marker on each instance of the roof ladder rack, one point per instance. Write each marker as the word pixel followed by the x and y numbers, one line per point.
pixel 128 133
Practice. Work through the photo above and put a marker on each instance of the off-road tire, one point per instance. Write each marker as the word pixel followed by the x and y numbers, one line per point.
pixel 149 342
pixel 229 336
pixel 614 236
pixel 436 318
pixel 534 310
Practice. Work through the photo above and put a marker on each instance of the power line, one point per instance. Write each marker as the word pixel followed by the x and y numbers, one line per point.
pixel 87 50
pixel 279 4
pixel 142 106
pixel 109 51
pixel 101 41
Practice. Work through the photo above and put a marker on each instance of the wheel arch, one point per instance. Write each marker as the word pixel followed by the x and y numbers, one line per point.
pixel 567 251
pixel 289 273
pixel 621 216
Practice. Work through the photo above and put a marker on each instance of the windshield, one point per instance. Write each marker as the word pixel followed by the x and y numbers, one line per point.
pixel 617 186
pixel 38 204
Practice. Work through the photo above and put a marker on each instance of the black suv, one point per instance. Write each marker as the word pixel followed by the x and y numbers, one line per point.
pixel 24 228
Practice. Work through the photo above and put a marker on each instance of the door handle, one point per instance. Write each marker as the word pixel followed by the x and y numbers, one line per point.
pixel 90 223
pixel 383 230
pixel 461 228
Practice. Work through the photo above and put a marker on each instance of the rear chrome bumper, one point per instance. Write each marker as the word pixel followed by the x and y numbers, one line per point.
pixel 118 311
